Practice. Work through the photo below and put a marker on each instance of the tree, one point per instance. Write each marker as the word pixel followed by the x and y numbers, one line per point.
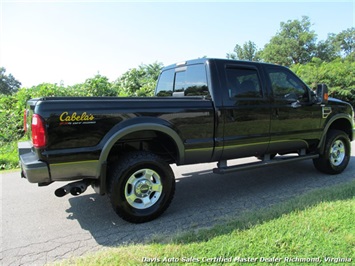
pixel 329 49
pixel 346 39
pixel 98 86
pixel 139 81
pixel 152 70
pixel 337 45
pixel 248 52
pixel 294 43
pixel 338 74
pixel 8 84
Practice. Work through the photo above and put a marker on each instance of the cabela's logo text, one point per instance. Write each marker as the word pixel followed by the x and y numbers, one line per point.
pixel 74 117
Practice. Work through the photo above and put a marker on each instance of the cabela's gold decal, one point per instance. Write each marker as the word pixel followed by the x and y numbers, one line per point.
pixel 74 117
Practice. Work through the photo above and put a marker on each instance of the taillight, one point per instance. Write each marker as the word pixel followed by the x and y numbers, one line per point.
pixel 25 120
pixel 39 139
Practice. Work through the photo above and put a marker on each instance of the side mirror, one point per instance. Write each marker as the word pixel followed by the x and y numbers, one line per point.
pixel 322 93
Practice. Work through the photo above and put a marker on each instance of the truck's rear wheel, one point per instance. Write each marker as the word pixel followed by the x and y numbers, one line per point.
pixel 141 186
pixel 336 153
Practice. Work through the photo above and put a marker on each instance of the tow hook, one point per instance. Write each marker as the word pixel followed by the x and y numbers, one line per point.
pixel 75 188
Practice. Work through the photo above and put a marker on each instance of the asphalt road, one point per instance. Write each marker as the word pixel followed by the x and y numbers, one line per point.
pixel 39 228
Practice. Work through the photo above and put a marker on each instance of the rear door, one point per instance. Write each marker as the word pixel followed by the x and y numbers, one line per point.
pixel 245 111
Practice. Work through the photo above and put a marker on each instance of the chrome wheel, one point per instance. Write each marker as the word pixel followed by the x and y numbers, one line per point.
pixel 337 152
pixel 141 186
pixel 143 189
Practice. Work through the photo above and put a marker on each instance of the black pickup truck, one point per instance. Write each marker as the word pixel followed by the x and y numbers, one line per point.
pixel 204 110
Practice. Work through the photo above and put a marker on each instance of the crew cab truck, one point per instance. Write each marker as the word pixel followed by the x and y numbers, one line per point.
pixel 204 110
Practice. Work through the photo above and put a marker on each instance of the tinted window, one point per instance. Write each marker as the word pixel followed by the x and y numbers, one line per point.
pixel 183 81
pixel 286 85
pixel 243 83
pixel 166 83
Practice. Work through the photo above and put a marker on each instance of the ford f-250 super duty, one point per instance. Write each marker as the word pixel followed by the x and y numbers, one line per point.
pixel 205 110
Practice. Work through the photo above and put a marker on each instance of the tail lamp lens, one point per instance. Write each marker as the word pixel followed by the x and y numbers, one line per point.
pixel 39 138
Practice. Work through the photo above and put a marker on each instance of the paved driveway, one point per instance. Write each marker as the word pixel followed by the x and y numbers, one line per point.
pixel 38 227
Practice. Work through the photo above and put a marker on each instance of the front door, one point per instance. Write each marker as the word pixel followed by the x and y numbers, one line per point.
pixel 295 120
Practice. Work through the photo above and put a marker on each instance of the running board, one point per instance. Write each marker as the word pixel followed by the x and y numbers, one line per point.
pixel 224 169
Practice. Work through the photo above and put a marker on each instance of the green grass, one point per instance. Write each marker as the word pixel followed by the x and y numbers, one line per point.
pixel 8 155
pixel 315 226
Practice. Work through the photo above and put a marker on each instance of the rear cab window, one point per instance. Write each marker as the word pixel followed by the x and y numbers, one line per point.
pixel 190 80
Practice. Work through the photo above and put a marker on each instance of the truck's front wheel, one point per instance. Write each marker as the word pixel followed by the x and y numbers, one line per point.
pixel 336 154
pixel 141 186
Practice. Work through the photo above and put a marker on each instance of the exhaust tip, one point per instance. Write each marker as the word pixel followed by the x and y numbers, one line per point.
pixel 60 192
pixel 75 191
pixel 75 188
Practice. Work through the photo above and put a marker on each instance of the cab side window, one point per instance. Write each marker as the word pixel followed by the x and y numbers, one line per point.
pixel 285 85
pixel 183 81
pixel 165 86
pixel 243 83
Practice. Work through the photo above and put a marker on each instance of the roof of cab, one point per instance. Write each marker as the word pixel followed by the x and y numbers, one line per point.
pixel 204 60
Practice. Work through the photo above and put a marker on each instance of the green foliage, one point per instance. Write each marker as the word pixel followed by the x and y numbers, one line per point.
pixel 346 40
pixel 329 49
pixel 8 84
pixel 12 108
pixel 96 86
pixel 339 75
pixel 139 81
pixel 248 52
pixel 8 156
pixel 10 119
pixel 294 43
pixel 337 45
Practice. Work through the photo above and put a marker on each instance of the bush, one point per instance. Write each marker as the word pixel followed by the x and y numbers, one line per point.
pixel 8 156
pixel 11 119
pixel 339 75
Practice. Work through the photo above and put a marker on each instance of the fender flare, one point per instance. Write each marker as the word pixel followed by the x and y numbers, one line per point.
pixel 321 144
pixel 140 127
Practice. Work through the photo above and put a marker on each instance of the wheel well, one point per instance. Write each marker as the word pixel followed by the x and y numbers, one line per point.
pixel 157 142
pixel 343 125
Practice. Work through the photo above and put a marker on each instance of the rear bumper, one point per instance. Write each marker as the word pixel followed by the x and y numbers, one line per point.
pixel 34 170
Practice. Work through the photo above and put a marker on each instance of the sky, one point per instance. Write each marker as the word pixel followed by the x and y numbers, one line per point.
pixel 69 41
